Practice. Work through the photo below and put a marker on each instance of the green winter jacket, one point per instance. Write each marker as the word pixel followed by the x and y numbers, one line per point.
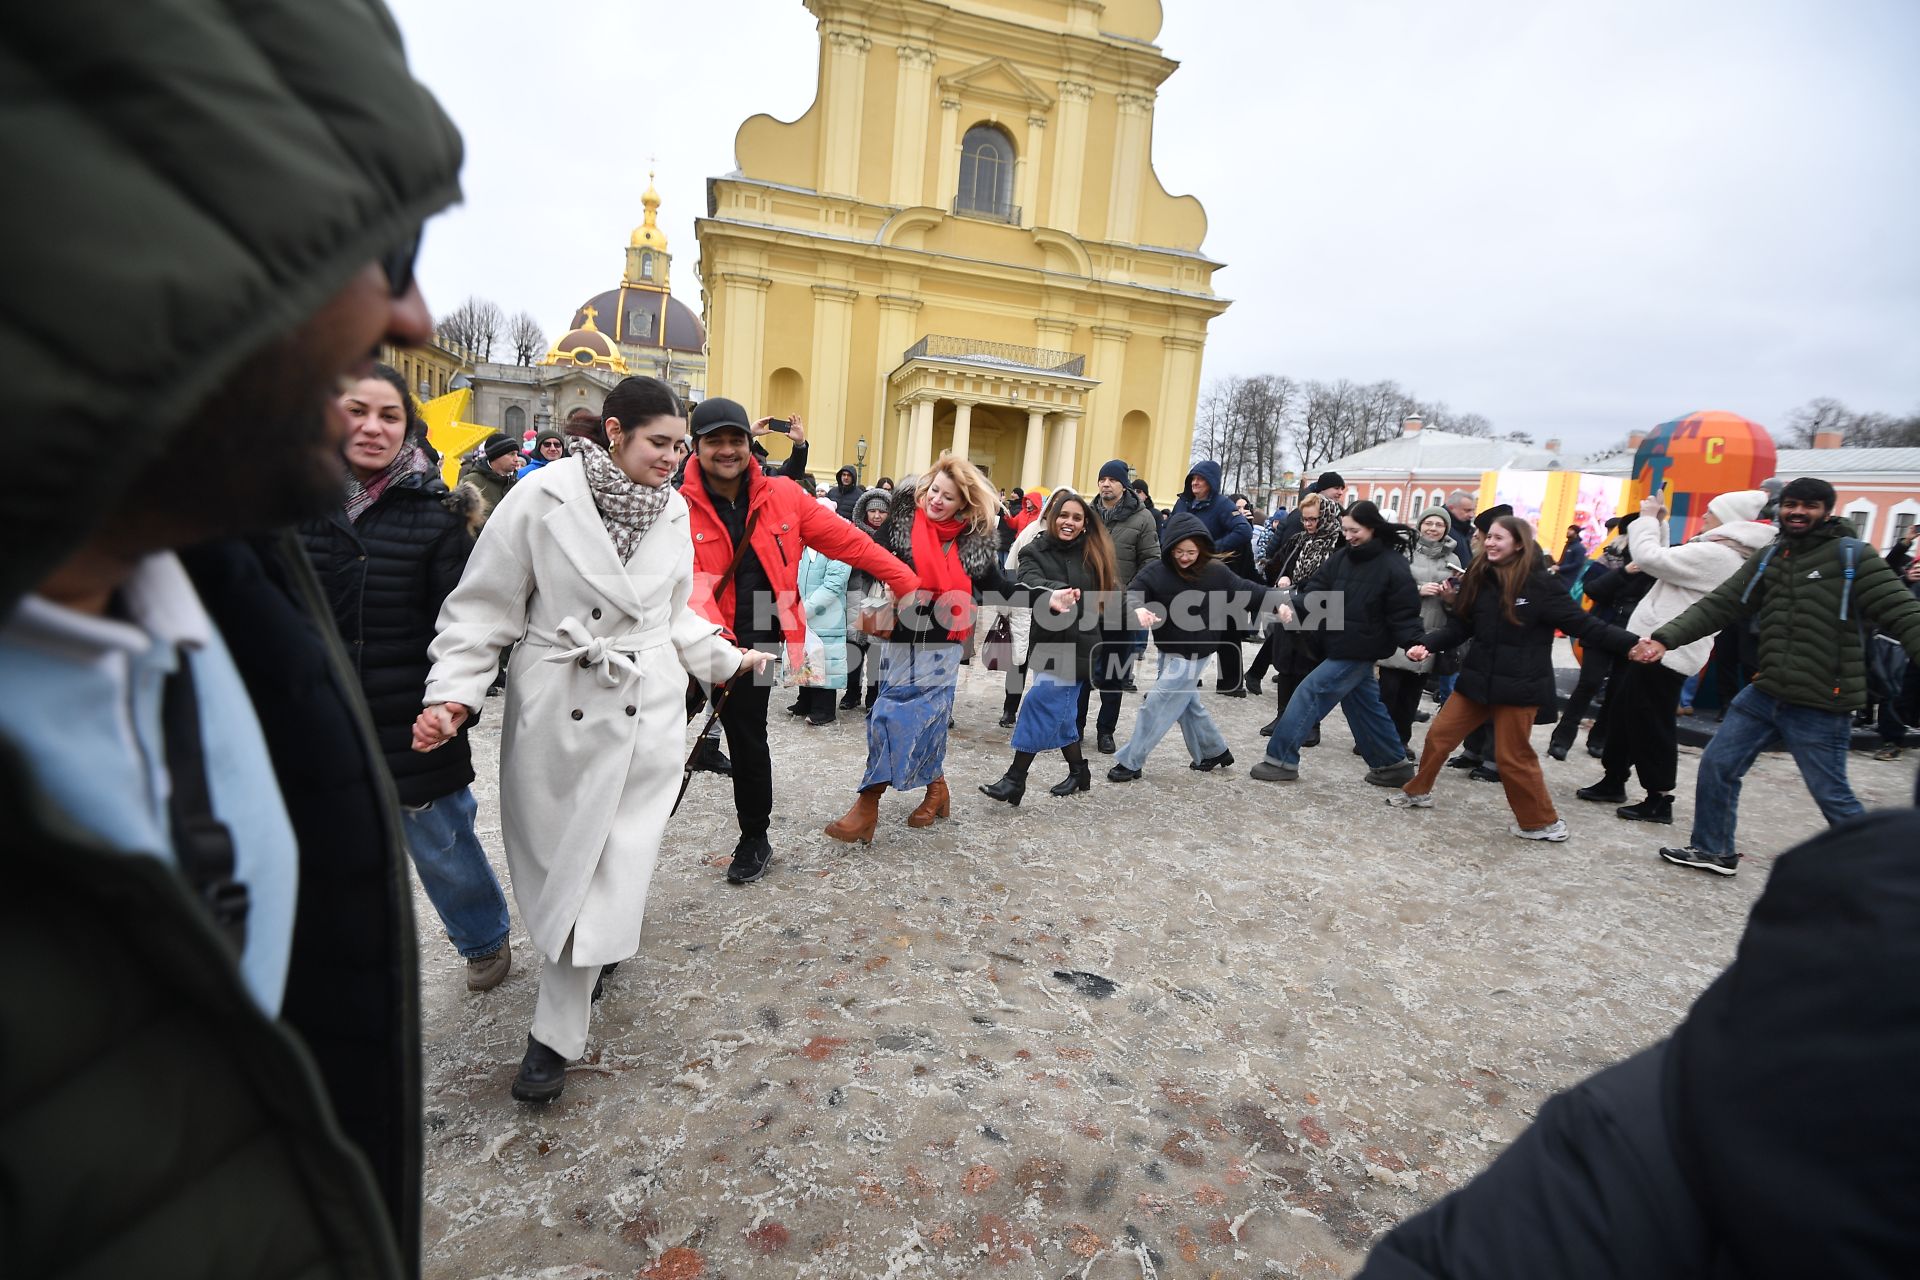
pixel 192 182
pixel 1809 655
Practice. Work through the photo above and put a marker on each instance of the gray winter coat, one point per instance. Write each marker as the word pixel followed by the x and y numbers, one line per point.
pixel 1431 562
pixel 1135 533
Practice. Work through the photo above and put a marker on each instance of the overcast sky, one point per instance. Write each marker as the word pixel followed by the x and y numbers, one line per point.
pixel 1575 218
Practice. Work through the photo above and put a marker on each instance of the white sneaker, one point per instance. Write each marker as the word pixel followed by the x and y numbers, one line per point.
pixel 1401 800
pixel 1555 830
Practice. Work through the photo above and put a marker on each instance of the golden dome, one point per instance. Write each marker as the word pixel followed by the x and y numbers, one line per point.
pixel 588 347
pixel 648 234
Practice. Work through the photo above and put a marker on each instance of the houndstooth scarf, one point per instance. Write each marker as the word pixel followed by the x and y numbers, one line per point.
pixel 627 507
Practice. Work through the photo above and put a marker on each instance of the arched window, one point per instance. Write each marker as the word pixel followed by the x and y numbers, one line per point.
pixel 1393 503
pixel 986 173
pixel 646 265
pixel 516 420
pixel 1419 502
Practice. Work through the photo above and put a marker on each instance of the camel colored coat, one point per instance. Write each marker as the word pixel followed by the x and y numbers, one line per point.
pixel 594 737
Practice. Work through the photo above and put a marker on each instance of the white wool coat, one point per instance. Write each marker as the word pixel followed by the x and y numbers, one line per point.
pixel 595 728
pixel 1685 573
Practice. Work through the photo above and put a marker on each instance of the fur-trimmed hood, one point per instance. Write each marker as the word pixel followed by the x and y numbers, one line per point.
pixel 977 550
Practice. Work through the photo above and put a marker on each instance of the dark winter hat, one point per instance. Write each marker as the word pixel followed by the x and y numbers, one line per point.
pixel 546 434
pixel 1811 489
pixel 718 414
pixel 1328 480
pixel 1114 470
pixel 1484 521
pixel 500 446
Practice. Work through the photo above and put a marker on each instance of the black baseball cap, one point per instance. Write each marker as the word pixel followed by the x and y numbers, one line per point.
pixel 717 414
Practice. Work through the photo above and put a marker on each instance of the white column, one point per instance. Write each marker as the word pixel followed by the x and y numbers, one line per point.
pixel 920 450
pixel 844 91
pixel 913 96
pixel 1130 142
pixel 962 427
pixel 1069 434
pixel 902 441
pixel 1069 165
pixel 1026 175
pixel 1036 442
pixel 949 154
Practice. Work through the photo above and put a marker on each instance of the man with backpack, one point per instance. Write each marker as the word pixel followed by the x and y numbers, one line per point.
pixel 1814 592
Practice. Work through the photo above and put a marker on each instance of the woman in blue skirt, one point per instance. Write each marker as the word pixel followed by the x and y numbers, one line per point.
pixel 1072 557
pixel 944 527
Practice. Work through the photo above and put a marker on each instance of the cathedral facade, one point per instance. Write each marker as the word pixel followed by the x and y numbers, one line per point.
pixel 962 245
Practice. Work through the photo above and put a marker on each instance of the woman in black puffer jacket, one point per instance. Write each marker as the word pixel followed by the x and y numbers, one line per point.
pixel 387 559
pixel 1510 605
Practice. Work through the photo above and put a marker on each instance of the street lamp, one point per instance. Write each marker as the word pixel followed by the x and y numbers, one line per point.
pixel 860 459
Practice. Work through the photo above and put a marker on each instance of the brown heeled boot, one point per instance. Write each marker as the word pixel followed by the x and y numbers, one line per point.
pixel 857 826
pixel 934 806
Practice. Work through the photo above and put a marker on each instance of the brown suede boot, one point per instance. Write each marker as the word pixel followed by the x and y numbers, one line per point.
pixel 857 826
pixel 934 806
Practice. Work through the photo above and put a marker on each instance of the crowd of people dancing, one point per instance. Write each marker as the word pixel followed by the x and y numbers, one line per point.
pixel 656 563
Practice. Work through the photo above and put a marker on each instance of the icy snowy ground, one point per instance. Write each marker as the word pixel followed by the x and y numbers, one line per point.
pixel 1195 1025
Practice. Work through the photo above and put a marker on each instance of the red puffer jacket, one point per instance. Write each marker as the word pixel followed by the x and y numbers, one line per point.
pixel 788 523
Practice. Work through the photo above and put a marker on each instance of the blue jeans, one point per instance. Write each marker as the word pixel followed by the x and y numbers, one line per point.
pixel 1691 687
pixel 1174 699
pixel 1754 721
pixel 1350 683
pixel 453 869
pixel 1443 687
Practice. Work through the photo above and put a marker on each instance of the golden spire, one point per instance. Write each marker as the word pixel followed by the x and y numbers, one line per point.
pixel 648 234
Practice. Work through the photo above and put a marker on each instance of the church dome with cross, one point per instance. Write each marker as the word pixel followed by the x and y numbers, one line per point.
pixel 641 314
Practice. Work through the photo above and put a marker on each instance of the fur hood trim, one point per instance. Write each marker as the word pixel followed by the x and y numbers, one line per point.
pixel 896 535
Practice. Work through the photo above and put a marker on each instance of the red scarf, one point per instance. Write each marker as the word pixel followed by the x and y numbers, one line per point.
pixel 936 562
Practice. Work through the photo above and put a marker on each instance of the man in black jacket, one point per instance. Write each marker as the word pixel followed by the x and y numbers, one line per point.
pixel 205 877
pixel 1768 1138
pixel 1364 601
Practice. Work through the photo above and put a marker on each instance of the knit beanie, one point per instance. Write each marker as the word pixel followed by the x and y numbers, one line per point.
pixel 1114 470
pixel 1442 512
pixel 499 447
pixel 1733 508
pixel 1328 480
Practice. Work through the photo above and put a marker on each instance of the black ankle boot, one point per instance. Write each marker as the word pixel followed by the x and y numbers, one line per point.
pixel 1652 809
pixel 543 1073
pixel 850 700
pixel 1008 790
pixel 1079 778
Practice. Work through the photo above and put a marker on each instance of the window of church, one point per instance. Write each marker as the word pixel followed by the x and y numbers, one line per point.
pixel 646 266
pixel 986 173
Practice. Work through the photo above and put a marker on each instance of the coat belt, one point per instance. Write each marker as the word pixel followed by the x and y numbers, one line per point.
pixel 611 657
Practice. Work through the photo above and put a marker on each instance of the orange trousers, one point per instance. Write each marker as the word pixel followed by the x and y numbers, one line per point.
pixel 1512 751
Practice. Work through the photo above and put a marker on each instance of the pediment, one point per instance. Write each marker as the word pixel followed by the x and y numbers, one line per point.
pixel 998 80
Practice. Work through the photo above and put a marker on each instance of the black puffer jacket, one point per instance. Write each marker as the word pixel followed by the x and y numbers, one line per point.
pixel 1378 607
pixel 1064 643
pixel 1512 666
pixel 385 578
pixel 1195 612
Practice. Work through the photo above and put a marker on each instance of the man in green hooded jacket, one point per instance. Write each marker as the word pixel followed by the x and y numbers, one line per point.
pixel 209 1044
pixel 1815 591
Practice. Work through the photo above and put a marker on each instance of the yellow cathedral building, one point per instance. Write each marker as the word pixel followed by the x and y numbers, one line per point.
pixel 962 246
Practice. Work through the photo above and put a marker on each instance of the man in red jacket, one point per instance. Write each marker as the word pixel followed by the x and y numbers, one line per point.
pixel 729 502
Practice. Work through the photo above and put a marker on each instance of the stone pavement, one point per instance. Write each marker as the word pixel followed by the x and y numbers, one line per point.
pixel 1190 1026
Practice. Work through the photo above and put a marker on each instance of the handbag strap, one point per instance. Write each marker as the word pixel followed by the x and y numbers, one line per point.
pixel 202 844
pixel 739 554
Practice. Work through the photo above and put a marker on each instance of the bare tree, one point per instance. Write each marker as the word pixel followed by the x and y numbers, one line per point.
pixel 1857 430
pixel 523 332
pixel 473 327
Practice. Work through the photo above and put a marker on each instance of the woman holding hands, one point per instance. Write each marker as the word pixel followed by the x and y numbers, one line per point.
pixel 586 570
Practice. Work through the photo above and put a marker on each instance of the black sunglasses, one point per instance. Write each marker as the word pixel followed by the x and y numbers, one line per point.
pixel 398 262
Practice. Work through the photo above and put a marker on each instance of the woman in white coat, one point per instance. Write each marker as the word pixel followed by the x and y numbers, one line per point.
pixel 1643 702
pixel 585 569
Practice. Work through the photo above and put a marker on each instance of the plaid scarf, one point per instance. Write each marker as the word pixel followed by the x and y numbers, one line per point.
pixel 360 496
pixel 627 508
